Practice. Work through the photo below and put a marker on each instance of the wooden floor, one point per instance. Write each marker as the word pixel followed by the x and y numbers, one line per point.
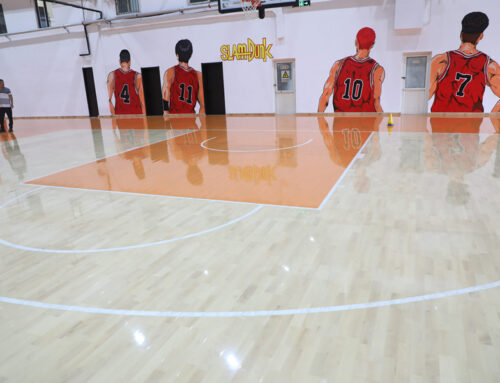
pixel 250 249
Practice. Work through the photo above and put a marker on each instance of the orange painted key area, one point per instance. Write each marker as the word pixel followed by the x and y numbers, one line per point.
pixel 279 161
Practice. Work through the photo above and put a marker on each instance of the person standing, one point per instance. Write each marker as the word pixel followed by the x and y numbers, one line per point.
pixel 6 106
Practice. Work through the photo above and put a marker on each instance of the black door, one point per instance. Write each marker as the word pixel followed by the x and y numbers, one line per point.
pixel 151 83
pixel 213 83
pixel 88 78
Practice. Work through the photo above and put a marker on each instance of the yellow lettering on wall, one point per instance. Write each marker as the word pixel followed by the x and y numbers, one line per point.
pixel 249 51
pixel 224 53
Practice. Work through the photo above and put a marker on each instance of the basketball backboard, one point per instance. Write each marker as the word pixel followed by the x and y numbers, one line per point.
pixel 227 6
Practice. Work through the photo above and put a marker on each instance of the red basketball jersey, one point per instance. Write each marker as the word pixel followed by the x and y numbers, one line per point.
pixel 353 89
pixel 184 90
pixel 461 86
pixel 126 97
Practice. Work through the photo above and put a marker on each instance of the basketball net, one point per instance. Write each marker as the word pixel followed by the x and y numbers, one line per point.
pixel 249 6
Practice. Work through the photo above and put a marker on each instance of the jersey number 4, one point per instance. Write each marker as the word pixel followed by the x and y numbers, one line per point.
pixel 182 96
pixel 125 94
pixel 466 77
pixel 355 92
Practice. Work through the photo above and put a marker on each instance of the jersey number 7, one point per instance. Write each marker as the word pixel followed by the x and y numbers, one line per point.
pixel 466 77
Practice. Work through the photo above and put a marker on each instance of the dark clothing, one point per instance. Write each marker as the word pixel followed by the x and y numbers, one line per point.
pixel 7 111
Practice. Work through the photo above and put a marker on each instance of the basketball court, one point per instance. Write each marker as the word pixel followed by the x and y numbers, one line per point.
pixel 251 246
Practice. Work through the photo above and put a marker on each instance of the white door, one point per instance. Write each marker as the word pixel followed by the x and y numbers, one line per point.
pixel 416 69
pixel 284 85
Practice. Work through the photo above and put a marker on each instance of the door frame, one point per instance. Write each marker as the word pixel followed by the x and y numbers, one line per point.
pixel 277 93
pixel 428 54
pixel 278 61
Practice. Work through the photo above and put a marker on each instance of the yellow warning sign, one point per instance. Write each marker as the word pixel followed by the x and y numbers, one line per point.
pixel 285 75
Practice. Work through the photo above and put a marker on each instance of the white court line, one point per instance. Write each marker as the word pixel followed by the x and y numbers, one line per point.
pixel 358 154
pixel 105 157
pixel 21 195
pixel 111 249
pixel 260 313
pixel 173 197
pixel 253 151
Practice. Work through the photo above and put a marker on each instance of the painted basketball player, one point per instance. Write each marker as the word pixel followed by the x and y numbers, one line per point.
pixel 126 85
pixel 459 78
pixel 355 81
pixel 182 85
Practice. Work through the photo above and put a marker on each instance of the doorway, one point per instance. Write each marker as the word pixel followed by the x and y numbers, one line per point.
pixel 88 78
pixel 416 69
pixel 213 86
pixel 151 83
pixel 284 86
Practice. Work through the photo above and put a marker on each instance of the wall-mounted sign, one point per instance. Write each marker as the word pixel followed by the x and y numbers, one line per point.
pixel 248 51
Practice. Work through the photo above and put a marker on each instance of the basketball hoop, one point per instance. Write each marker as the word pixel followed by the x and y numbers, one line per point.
pixel 249 6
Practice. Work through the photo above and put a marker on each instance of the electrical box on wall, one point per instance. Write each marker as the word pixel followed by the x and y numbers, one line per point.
pixel 409 14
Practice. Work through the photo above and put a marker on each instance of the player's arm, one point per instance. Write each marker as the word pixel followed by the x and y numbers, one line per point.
pixel 111 91
pixel 378 79
pixel 11 101
pixel 140 91
pixel 168 78
pixel 201 95
pixel 328 88
pixel 438 66
pixel 494 82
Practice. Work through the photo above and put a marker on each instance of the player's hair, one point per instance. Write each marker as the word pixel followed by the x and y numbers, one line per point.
pixel 1 80
pixel 366 38
pixel 470 37
pixel 124 56
pixel 184 49
pixel 473 24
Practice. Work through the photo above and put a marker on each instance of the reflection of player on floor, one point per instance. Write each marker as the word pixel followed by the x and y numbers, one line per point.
pixel 187 147
pixel 182 85
pixel 457 154
pixel 131 133
pixel 458 78
pixel 126 85
pixel 346 139
pixel 12 153
pixel 355 81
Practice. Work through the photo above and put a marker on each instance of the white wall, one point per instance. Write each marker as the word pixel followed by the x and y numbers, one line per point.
pixel 44 69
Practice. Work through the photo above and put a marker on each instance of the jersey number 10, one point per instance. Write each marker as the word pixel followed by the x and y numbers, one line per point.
pixel 355 92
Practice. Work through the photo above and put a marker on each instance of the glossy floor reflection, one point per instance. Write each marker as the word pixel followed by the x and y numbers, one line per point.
pixel 172 218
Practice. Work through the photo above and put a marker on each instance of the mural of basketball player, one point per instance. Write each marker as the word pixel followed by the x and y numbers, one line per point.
pixel 126 85
pixel 459 78
pixel 182 85
pixel 355 81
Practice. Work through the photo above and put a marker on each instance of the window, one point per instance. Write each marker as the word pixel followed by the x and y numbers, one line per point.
pixel 43 13
pixel 3 26
pixel 127 6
